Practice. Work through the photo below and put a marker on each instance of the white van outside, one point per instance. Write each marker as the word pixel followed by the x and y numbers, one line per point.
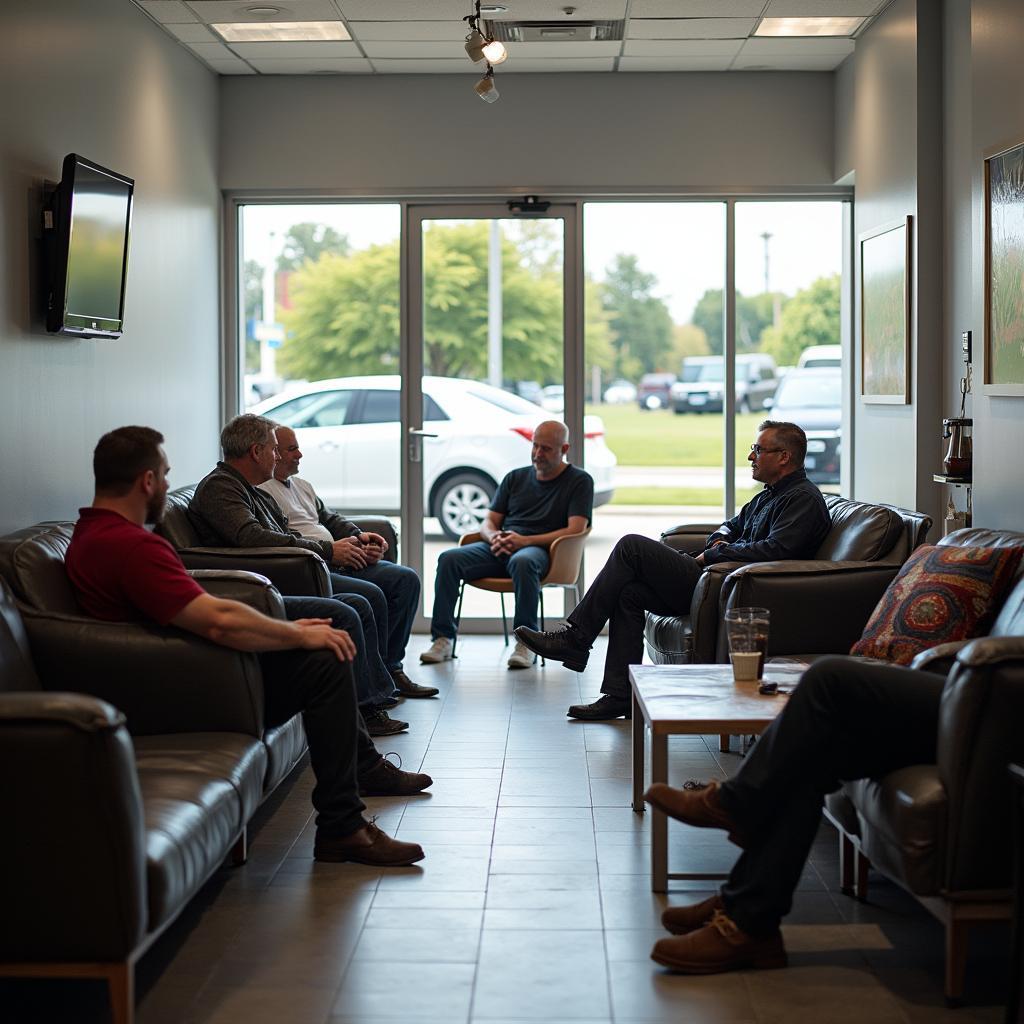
pixel 820 355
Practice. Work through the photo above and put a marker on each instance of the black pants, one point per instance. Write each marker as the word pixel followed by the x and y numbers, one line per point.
pixel 641 575
pixel 846 720
pixel 322 689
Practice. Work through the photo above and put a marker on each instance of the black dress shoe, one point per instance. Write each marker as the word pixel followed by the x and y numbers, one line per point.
pixel 380 723
pixel 407 688
pixel 367 845
pixel 603 709
pixel 564 645
pixel 387 779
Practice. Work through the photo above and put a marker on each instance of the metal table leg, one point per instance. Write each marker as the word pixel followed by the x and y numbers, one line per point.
pixel 659 823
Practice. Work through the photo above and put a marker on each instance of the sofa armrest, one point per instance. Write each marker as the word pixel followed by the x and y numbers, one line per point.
pixel 817 607
pixel 689 537
pixel 294 571
pixel 248 587
pixel 385 527
pixel 73 883
pixel 939 659
pixel 163 680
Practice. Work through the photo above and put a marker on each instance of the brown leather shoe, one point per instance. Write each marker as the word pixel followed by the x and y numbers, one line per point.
pixel 696 805
pixel 387 779
pixel 407 688
pixel 367 845
pixel 682 920
pixel 719 946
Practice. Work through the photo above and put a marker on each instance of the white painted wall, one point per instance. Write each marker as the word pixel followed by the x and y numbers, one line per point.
pixel 548 132
pixel 100 79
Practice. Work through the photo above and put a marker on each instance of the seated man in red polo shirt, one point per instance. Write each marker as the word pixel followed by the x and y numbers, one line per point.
pixel 123 572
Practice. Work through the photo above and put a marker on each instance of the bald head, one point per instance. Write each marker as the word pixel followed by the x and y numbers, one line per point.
pixel 550 443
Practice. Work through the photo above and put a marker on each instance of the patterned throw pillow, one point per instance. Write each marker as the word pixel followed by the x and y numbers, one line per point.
pixel 941 594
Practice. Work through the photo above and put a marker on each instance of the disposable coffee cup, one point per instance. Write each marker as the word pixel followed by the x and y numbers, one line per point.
pixel 747 632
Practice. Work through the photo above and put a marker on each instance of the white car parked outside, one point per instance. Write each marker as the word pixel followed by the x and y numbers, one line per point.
pixel 349 432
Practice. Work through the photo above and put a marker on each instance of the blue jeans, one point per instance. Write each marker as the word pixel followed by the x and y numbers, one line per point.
pixel 354 615
pixel 394 594
pixel 526 568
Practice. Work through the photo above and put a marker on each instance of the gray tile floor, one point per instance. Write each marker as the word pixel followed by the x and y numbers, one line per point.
pixel 532 905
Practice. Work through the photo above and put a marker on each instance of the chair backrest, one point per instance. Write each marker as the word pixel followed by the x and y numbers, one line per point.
pixel 32 563
pixel 16 670
pixel 861 532
pixel 566 558
pixel 1010 620
pixel 176 524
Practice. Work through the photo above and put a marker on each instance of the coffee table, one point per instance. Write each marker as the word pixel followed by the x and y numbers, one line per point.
pixel 693 700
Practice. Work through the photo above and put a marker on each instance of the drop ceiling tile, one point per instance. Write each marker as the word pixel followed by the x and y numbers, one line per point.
pixel 310 66
pixel 696 8
pixel 193 33
pixel 546 10
pixel 403 10
pixel 289 10
pixel 398 31
pixel 821 62
pixel 558 50
pixel 291 51
pixel 419 51
pixel 682 47
pixel 690 28
pixel 821 8
pixel 557 66
pixel 210 51
pixel 778 46
pixel 387 66
pixel 230 67
pixel 674 63
pixel 170 12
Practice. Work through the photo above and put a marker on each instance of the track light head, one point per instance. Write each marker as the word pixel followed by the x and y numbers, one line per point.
pixel 486 89
pixel 475 45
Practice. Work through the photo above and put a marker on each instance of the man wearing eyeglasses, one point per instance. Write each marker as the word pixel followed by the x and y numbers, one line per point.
pixel 788 519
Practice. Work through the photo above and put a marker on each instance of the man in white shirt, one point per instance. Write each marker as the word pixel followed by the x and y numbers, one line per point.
pixel 361 569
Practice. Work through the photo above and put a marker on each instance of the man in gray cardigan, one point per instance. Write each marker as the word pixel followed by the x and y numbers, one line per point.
pixel 228 510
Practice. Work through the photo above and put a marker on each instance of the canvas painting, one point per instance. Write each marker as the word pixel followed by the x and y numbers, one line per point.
pixel 885 314
pixel 1004 258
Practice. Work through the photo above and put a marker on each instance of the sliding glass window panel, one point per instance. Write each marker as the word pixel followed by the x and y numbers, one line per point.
pixel 654 275
pixel 320 342
pixel 789 259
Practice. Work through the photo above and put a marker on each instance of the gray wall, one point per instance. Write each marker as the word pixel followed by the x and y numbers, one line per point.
pixel 574 132
pixel 100 79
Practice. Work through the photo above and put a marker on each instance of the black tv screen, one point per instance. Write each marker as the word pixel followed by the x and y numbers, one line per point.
pixel 89 227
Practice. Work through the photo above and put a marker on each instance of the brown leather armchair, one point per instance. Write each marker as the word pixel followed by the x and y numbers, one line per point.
pixel 819 605
pixel 294 571
pixel 942 830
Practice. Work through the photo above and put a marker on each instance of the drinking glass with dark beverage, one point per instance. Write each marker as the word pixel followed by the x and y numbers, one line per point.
pixel 747 631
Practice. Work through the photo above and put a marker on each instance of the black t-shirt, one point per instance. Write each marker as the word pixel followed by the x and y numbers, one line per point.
pixel 533 506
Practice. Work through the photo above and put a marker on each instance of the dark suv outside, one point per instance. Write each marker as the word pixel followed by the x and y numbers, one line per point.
pixel 653 391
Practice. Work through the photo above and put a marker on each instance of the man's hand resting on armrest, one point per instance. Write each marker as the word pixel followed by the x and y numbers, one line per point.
pixel 349 553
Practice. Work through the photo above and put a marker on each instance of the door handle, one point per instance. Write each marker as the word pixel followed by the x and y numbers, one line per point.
pixel 416 432
pixel 416 436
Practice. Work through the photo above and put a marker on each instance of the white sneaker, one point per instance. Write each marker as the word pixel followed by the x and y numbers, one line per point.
pixel 439 650
pixel 521 657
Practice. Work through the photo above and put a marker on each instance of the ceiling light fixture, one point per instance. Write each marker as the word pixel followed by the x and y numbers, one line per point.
pixel 268 11
pixel 493 8
pixel 281 31
pixel 482 48
pixel 808 26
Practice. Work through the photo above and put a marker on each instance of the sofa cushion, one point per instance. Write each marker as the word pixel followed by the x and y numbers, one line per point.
pixel 286 743
pixel 33 564
pixel 941 594
pixel 194 809
pixel 860 532
pixel 176 525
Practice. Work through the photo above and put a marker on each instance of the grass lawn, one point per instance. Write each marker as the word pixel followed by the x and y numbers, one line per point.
pixel 677 496
pixel 661 438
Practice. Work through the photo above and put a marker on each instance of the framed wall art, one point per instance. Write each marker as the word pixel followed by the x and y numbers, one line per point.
pixel 1004 271
pixel 885 313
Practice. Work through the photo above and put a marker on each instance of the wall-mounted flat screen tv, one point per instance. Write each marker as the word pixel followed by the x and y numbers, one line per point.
pixel 86 227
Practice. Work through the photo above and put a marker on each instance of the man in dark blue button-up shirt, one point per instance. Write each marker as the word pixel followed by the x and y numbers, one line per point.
pixel 788 519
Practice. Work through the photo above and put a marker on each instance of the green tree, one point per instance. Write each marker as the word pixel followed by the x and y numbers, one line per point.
pixel 687 340
pixel 811 317
pixel 641 326
pixel 345 314
pixel 252 284
pixel 753 314
pixel 307 242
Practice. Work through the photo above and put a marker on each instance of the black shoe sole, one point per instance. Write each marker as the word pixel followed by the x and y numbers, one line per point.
pixel 377 731
pixel 376 863
pixel 627 715
pixel 428 692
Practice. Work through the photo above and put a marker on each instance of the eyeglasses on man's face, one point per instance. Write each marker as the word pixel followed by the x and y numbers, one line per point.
pixel 759 451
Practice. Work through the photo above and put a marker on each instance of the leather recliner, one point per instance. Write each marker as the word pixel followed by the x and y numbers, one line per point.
pixel 818 606
pixel 294 571
pixel 941 830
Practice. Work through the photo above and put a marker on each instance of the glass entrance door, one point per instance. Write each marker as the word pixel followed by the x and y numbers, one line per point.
pixel 491 352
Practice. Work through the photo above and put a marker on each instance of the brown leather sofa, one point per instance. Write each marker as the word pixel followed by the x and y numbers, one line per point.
pixel 132 791
pixel 942 830
pixel 819 605
pixel 294 571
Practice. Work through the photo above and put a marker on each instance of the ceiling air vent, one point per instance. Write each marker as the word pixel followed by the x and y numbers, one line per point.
pixel 556 31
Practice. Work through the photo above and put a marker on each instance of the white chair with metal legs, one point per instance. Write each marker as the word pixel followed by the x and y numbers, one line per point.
pixel 566 558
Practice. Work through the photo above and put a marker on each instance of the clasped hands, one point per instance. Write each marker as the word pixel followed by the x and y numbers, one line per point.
pixel 358 551
pixel 507 542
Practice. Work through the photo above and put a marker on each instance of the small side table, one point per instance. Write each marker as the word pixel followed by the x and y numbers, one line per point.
pixel 1015 1003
